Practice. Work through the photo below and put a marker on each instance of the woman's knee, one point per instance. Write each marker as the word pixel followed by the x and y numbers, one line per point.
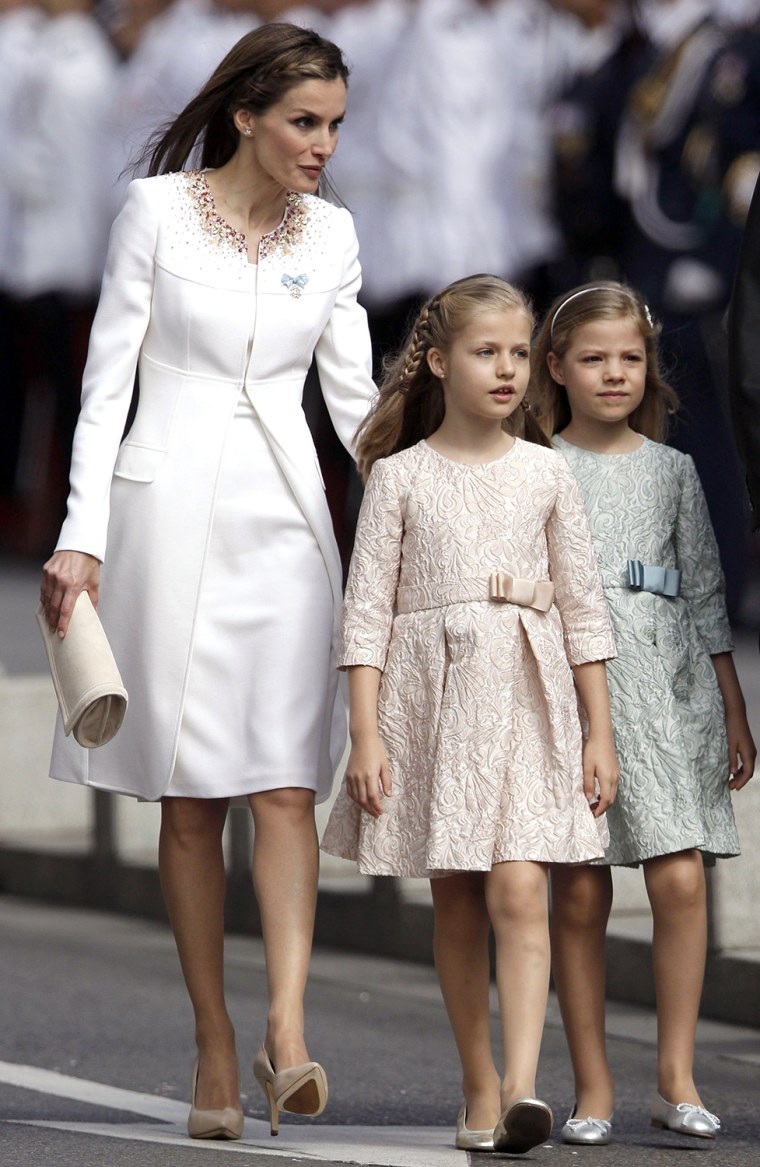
pixel 287 806
pixel 188 822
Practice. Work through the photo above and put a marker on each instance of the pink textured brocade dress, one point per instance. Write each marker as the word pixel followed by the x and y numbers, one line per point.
pixel 478 710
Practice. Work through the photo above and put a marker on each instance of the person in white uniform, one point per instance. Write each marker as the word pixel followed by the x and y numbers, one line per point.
pixel 57 245
pixel 221 581
pixel 19 25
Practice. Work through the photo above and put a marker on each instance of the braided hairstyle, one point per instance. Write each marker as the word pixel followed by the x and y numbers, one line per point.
pixel 410 404
pixel 605 300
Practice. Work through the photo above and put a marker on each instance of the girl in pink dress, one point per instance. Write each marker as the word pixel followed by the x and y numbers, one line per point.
pixel 474 617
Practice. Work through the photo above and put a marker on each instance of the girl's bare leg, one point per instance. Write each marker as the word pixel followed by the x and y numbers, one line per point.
pixel 517 901
pixel 191 868
pixel 285 873
pixel 676 889
pixel 581 903
pixel 460 946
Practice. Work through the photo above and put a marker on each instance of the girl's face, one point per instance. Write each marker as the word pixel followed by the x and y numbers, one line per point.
pixel 294 139
pixel 603 370
pixel 485 371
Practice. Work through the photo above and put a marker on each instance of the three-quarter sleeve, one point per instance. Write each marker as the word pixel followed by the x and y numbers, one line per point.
pixel 578 587
pixel 343 351
pixel 373 577
pixel 117 334
pixel 702 583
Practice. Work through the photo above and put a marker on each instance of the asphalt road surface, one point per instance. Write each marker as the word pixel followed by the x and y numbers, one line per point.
pixel 97 1048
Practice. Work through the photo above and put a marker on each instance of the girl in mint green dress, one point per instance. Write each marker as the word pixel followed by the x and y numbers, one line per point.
pixel 679 720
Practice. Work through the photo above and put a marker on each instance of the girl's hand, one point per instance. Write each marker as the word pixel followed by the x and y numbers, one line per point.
pixel 601 774
pixel 368 776
pixel 64 576
pixel 741 750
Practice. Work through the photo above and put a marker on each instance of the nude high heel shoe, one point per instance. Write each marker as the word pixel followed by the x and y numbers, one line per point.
pixel 298 1090
pixel 213 1124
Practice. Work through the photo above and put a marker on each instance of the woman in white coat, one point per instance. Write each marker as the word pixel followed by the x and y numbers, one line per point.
pixel 221 581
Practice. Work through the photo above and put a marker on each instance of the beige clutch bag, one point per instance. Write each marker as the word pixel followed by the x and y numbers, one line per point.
pixel 90 692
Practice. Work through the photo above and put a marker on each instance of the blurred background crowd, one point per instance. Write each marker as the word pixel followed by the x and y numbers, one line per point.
pixel 547 141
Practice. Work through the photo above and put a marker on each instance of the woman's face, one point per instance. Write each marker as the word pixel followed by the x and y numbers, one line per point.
pixel 294 139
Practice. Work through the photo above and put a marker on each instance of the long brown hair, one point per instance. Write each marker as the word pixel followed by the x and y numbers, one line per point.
pixel 606 300
pixel 409 405
pixel 256 73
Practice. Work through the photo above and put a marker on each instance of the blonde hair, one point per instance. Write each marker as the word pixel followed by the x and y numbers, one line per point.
pixel 410 405
pixel 607 300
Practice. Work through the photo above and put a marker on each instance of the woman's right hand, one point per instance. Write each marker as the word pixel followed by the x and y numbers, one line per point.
pixel 64 576
pixel 368 775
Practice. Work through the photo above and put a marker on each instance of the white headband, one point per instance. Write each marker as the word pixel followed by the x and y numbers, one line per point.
pixel 582 292
pixel 596 288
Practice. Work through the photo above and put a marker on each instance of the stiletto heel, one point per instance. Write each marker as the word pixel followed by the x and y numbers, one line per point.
pixel 274 1114
pixel 297 1090
pixel 213 1124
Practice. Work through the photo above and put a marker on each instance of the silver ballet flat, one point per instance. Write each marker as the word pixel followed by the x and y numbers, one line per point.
pixel 526 1123
pixel 587 1132
pixel 467 1140
pixel 684 1118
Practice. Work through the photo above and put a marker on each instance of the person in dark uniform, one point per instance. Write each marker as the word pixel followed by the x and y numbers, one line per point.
pixel 744 356
pixel 591 216
pixel 741 74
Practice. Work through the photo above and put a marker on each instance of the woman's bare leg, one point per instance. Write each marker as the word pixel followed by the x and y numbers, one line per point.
pixel 191 868
pixel 460 946
pixel 285 874
pixel 676 889
pixel 581 903
pixel 517 901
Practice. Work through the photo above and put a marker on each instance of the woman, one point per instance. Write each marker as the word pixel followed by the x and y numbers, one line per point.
pixel 221 577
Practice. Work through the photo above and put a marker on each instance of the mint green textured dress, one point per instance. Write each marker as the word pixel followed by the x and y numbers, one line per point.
pixel 667 710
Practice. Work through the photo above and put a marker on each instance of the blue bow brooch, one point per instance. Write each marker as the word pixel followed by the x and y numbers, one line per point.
pixel 295 283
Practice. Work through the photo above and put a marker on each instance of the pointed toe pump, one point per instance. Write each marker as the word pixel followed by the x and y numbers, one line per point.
pixel 297 1090
pixel 213 1124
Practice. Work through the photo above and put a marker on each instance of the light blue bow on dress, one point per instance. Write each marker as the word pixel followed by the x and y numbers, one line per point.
pixel 663 581
pixel 295 283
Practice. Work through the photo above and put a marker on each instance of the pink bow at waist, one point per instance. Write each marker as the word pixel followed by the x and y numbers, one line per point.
pixel 528 593
pixel 500 588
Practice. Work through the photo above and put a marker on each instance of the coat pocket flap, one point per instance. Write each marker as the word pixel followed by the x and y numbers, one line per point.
pixel 139 463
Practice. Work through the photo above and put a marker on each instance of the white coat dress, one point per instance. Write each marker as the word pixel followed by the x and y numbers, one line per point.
pixel 208 332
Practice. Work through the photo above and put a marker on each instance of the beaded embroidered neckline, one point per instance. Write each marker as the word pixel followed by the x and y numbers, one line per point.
pixel 283 238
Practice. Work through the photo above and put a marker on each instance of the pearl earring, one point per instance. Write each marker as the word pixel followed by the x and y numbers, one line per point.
pixel 247 132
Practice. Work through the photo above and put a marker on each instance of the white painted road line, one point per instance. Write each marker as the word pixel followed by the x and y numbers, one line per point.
pixel 383 1146
pixel 81 1090
pixel 379 1146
